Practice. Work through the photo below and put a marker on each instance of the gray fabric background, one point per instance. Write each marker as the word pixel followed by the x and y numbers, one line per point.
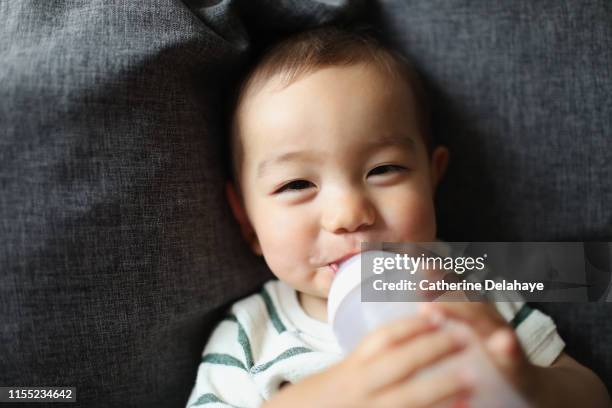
pixel 524 101
pixel 116 248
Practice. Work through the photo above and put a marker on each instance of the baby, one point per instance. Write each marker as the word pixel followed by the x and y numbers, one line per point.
pixel 331 147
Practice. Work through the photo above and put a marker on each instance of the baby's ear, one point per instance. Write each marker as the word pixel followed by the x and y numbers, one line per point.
pixel 241 216
pixel 439 163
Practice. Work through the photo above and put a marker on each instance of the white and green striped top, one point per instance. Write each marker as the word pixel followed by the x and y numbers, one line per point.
pixel 267 339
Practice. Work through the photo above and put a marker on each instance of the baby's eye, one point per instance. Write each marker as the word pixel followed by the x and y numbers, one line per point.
pixel 295 185
pixel 385 168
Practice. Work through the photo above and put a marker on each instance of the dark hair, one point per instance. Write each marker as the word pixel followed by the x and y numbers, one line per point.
pixel 325 46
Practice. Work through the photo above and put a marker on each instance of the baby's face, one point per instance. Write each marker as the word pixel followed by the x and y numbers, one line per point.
pixel 334 159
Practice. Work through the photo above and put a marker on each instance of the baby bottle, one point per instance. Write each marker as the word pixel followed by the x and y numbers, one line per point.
pixel 351 319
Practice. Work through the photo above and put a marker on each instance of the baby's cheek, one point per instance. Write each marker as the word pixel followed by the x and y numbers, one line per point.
pixel 284 244
pixel 412 218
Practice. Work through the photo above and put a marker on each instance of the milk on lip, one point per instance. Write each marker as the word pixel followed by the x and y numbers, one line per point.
pixel 336 265
pixel 351 319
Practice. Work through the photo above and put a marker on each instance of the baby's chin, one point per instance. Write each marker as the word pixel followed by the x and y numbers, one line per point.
pixel 318 287
pixel 315 282
pixel 320 283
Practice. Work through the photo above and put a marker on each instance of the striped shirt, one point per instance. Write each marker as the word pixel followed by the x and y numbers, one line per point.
pixel 267 340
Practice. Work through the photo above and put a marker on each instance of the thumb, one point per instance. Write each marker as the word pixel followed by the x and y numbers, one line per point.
pixel 505 349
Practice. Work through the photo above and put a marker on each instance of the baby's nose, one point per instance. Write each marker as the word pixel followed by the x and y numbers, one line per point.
pixel 348 212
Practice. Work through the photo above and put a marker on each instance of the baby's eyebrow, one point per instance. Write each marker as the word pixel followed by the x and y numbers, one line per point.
pixel 392 139
pixel 285 157
pixel 380 141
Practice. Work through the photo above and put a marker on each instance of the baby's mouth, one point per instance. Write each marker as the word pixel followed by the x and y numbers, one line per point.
pixel 335 266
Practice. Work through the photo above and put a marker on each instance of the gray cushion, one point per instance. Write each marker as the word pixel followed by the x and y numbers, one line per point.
pixel 523 98
pixel 116 246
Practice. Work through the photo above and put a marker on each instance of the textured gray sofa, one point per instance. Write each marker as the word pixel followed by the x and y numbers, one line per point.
pixel 117 252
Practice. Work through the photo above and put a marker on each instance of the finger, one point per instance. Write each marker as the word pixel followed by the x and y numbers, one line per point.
pixel 389 335
pixel 505 350
pixel 414 355
pixel 463 310
pixel 508 356
pixel 482 317
pixel 428 390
